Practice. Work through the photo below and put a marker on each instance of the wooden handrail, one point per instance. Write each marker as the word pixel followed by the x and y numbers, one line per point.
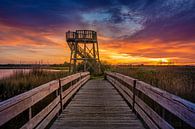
pixel 12 107
pixel 181 108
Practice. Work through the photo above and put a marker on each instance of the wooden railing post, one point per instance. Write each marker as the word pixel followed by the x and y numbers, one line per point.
pixel 60 93
pixel 29 113
pixel 80 77
pixel 134 93
pixel 105 74
pixel 115 78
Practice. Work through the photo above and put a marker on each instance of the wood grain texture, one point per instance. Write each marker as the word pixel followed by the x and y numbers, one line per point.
pixel 41 115
pixel 150 117
pixel 97 105
pixel 181 108
pixel 16 105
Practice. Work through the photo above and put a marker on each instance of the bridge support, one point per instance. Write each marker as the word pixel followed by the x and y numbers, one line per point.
pixel 84 51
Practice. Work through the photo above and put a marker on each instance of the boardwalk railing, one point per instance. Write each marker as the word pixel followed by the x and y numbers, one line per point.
pixel 143 98
pixel 41 104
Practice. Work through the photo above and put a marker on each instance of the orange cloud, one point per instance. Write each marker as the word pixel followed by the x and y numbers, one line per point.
pixel 28 46
pixel 147 52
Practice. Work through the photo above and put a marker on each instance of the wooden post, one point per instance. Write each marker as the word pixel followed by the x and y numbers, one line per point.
pixel 85 61
pixel 71 84
pixel 134 92
pixel 75 57
pixel 30 113
pixel 60 93
pixel 115 78
pixel 105 76
pixel 70 67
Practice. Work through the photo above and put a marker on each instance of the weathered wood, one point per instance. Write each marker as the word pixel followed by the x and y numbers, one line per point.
pixel 60 93
pixel 13 109
pixel 67 91
pixel 122 77
pixel 81 82
pixel 117 85
pixel 41 115
pixel 125 89
pixel 47 120
pixel 97 105
pixel 153 115
pixel 176 105
pixel 134 91
pixel 12 101
pixel 84 74
pixel 74 90
pixel 145 117
pixel 16 105
pixel 183 109
pixel 68 79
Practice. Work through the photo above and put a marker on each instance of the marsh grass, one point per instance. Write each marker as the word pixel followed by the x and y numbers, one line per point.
pixel 178 80
pixel 21 81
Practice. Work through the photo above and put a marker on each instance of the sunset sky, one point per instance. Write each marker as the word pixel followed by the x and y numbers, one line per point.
pixel 129 31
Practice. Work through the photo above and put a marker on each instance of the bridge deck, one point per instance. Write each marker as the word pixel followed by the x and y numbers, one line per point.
pixel 97 105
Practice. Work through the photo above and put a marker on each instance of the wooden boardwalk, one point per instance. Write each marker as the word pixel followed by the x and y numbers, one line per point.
pixel 97 105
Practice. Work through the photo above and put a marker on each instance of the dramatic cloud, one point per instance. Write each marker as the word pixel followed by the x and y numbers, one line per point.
pixel 133 30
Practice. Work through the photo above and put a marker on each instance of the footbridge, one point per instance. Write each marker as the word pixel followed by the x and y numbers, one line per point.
pixel 114 102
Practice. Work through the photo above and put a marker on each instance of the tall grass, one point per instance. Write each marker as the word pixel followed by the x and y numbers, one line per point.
pixel 22 81
pixel 178 80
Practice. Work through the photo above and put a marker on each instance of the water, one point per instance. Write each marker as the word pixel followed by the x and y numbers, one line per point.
pixel 9 72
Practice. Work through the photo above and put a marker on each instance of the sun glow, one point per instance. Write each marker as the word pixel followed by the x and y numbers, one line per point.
pixel 123 58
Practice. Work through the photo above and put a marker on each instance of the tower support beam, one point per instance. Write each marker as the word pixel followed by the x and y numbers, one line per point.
pixel 84 51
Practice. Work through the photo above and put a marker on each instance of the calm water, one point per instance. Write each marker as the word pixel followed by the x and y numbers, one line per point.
pixel 9 72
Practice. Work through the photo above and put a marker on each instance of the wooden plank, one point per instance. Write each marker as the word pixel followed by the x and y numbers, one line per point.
pixel 48 119
pixel 116 84
pixel 14 106
pixel 183 109
pixel 125 78
pixel 145 117
pixel 176 105
pixel 14 100
pixel 33 122
pixel 70 78
pixel 122 77
pixel 14 109
pixel 153 115
pixel 77 86
pixel 84 73
pixel 124 88
pixel 105 115
pixel 41 115
pixel 66 92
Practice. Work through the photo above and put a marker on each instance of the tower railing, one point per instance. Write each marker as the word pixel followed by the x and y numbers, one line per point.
pixel 81 35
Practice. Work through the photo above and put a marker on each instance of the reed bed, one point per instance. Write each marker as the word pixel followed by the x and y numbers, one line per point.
pixel 21 81
pixel 178 80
